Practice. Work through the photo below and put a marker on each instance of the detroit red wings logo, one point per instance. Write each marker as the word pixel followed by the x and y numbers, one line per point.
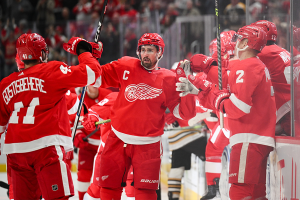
pixel 141 91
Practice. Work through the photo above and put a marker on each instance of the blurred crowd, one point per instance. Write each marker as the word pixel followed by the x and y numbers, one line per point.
pixel 57 20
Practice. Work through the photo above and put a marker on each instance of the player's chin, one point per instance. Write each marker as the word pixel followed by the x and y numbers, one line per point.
pixel 147 65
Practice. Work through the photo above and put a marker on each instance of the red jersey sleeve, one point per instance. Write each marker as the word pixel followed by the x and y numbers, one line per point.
pixel 86 73
pixel 212 76
pixel 109 75
pixel 103 108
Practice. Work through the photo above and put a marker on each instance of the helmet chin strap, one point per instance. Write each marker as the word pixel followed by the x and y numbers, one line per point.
pixel 238 49
pixel 43 55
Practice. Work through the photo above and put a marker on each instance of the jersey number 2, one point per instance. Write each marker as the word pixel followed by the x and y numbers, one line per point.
pixel 29 118
pixel 239 78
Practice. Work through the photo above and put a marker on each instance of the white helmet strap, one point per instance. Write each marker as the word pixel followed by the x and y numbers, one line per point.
pixel 238 49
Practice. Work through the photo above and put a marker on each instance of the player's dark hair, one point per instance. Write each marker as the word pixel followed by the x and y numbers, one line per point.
pixel 28 62
pixel 157 48
pixel 270 42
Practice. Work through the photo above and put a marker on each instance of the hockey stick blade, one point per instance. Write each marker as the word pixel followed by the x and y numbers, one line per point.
pixel 96 123
pixel 4 185
pixel 92 133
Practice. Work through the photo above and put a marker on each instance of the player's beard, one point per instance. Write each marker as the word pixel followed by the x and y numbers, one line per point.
pixel 149 65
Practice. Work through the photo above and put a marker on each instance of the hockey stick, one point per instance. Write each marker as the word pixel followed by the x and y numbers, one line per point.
pixel 219 57
pixel 92 133
pixel 84 88
pixel 96 123
pixel 184 128
pixel 4 185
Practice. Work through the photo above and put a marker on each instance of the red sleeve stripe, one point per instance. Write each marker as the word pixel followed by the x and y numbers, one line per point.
pixel 176 111
pixel 73 110
pixel 240 104
pixel 91 77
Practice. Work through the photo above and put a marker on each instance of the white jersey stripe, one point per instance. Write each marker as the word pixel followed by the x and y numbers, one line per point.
pixel 94 163
pixel 226 132
pixel 40 143
pixel 213 167
pixel 95 142
pixel 285 108
pixel 240 104
pixel 132 139
pixel 243 162
pixel 73 110
pixel 212 119
pixel 215 135
pixel 91 77
pixel 251 138
pixel 63 169
pixel 176 111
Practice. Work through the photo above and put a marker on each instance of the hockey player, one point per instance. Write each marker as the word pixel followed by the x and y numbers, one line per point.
pixel 138 119
pixel 87 150
pixel 103 112
pixel 277 60
pixel 251 113
pixel 219 137
pixel 34 115
pixel 296 35
pixel 72 105
pixel 86 153
pixel 99 111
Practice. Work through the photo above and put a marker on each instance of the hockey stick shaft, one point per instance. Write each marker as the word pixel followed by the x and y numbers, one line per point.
pixel 96 123
pixel 184 128
pixel 4 185
pixel 219 56
pixel 92 133
pixel 85 88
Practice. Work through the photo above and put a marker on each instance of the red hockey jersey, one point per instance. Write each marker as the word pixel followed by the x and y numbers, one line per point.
pixel 138 113
pixel 103 92
pixel 251 107
pixel 277 61
pixel 103 109
pixel 33 103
